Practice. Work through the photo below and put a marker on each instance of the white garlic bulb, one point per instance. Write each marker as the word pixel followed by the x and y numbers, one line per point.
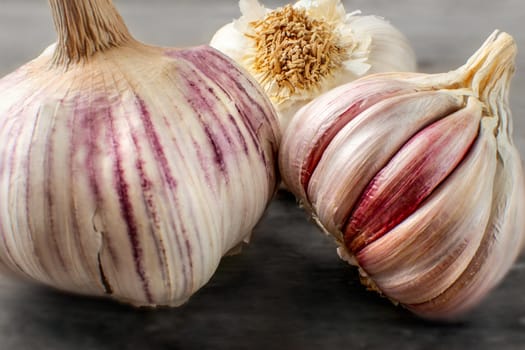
pixel 417 178
pixel 299 51
pixel 129 170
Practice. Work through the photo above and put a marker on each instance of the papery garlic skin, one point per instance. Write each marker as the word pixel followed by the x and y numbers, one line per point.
pixel 417 178
pixel 363 44
pixel 131 172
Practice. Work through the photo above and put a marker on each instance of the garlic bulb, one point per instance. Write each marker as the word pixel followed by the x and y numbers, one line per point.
pixel 129 170
pixel 417 178
pixel 299 51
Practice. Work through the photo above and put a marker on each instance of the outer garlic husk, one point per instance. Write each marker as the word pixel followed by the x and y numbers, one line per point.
pixel 417 178
pixel 129 171
pixel 292 75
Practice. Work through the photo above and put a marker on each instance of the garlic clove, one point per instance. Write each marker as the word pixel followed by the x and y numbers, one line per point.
pixel 318 127
pixel 319 47
pixel 503 238
pixel 422 256
pixel 502 242
pixel 375 134
pixel 416 170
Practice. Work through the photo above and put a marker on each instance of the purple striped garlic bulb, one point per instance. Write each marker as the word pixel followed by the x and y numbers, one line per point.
pixel 128 170
pixel 417 178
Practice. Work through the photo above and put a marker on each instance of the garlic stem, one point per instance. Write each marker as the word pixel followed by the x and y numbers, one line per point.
pixel 85 27
pixel 493 60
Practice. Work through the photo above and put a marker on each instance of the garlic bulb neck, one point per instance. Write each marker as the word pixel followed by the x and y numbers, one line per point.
pixel 491 65
pixel 85 27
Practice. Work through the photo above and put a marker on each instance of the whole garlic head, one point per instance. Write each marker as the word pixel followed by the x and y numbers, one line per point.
pixel 299 51
pixel 417 178
pixel 129 170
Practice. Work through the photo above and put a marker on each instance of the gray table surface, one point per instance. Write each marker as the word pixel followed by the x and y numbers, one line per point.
pixel 288 290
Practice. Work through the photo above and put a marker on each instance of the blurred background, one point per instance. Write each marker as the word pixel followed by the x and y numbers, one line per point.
pixel 288 290
pixel 444 33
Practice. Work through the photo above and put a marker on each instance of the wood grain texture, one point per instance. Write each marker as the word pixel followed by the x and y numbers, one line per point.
pixel 288 290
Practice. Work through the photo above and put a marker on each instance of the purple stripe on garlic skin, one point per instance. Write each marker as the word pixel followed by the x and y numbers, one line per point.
pixel 87 128
pixel 202 97
pixel 239 134
pixel 231 86
pixel 148 151
pixel 178 220
pixel 219 141
pixel 90 129
pixel 202 56
pixel 160 156
pixel 182 241
pixel 147 184
pixel 127 209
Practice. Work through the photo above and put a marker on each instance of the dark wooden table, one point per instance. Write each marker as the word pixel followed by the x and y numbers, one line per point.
pixel 288 290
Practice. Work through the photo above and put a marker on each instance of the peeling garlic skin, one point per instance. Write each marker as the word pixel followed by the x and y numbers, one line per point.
pixel 417 178
pixel 131 174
